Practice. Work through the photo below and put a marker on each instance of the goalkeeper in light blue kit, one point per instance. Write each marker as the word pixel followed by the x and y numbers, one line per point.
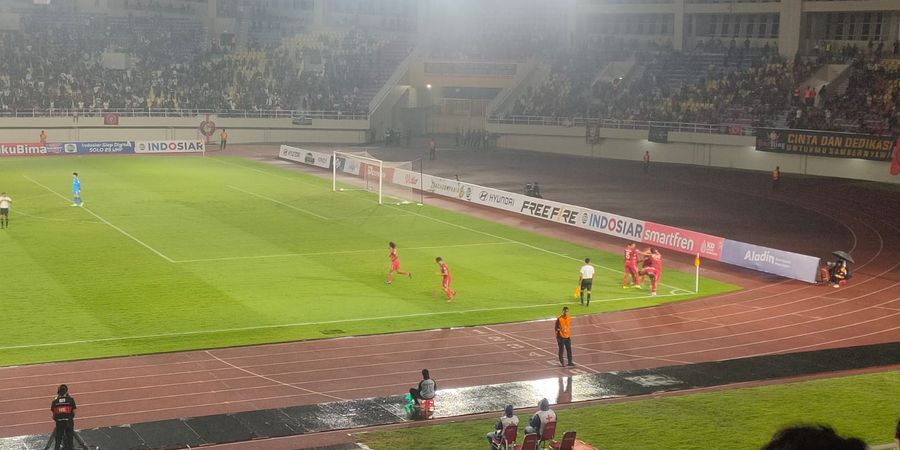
pixel 76 190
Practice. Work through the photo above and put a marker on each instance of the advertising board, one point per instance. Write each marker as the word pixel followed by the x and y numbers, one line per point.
pixel 770 260
pixel 304 156
pixel 169 147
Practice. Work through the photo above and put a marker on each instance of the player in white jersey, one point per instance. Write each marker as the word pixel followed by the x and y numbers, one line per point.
pixel 586 280
pixel 4 210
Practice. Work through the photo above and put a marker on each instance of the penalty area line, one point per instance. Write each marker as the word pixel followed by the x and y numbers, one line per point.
pixel 305 211
pixel 325 322
pixel 111 225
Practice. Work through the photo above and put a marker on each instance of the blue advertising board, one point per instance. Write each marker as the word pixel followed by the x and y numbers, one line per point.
pixel 770 260
pixel 89 147
pixel 103 147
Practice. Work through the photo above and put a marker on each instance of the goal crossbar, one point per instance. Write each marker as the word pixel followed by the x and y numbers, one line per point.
pixel 357 169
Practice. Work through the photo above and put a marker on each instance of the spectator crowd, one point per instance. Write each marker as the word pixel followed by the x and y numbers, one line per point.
pixel 98 63
pixel 870 103
pixel 721 84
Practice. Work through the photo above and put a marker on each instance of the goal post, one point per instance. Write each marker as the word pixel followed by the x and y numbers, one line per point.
pixel 392 182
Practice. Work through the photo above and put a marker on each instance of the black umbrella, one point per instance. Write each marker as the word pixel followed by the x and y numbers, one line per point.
pixel 843 255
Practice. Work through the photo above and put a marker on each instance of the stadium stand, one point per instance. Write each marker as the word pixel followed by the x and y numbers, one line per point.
pixel 870 104
pixel 168 67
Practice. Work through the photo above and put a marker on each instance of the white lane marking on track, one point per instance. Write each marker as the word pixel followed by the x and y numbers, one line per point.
pixel 125 233
pixel 300 324
pixel 540 349
pixel 309 391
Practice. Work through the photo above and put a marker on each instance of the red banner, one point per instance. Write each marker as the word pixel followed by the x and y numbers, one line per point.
pixel 682 241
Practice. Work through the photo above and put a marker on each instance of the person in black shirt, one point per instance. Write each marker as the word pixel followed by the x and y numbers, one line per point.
pixel 63 410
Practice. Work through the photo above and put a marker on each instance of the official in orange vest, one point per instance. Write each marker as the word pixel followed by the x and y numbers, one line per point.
pixel 564 335
pixel 43 138
pixel 223 139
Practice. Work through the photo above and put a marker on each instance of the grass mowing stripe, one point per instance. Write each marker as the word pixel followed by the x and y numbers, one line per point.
pixel 325 322
pixel 343 252
pixel 279 202
pixel 135 302
pixel 128 235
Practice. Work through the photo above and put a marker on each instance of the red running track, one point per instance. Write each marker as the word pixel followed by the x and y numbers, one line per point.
pixel 766 317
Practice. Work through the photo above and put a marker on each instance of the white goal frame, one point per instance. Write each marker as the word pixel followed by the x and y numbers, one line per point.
pixel 403 191
pixel 368 159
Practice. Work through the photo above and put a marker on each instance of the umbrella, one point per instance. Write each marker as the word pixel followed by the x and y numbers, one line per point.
pixel 843 255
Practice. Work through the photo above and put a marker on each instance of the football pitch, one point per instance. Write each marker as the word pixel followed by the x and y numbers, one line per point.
pixel 189 252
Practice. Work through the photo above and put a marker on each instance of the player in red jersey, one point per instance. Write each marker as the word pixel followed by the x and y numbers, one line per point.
pixel 395 265
pixel 653 268
pixel 445 279
pixel 631 268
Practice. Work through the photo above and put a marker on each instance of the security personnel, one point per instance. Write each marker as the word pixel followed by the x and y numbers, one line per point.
pixel 564 335
pixel 223 139
pixel 63 409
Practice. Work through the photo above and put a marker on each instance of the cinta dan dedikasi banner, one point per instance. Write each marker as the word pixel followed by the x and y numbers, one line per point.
pixel 825 143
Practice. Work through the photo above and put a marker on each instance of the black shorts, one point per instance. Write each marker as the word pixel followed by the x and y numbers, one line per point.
pixel 4 211
pixel 586 284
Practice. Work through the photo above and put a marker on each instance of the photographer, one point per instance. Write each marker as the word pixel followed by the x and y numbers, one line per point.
pixel 63 410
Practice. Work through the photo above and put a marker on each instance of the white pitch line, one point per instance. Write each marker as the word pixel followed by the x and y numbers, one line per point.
pixel 337 252
pixel 142 243
pixel 326 322
pixel 265 172
pixel 305 211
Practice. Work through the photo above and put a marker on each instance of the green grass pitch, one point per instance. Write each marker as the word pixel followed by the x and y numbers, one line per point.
pixel 176 253
pixel 863 406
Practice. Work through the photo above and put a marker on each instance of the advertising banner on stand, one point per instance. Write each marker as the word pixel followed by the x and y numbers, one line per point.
pixel 825 143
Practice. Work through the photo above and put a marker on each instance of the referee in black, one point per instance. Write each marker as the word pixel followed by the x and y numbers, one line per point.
pixel 63 409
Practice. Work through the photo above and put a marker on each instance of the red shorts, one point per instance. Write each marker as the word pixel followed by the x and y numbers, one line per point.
pixel 631 268
pixel 445 282
pixel 395 265
pixel 651 271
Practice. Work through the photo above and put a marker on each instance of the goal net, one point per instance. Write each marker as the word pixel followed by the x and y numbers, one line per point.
pixel 394 182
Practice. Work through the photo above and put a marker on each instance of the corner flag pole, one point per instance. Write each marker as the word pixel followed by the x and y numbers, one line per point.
pixel 697 274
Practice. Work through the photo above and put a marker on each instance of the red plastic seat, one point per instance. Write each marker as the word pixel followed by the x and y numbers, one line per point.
pixel 530 442
pixel 547 434
pixel 508 437
pixel 567 442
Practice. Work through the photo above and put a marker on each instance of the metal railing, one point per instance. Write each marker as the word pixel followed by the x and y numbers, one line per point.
pixel 735 129
pixel 186 112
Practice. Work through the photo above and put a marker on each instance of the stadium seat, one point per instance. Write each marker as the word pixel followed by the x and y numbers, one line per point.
pixel 508 438
pixel 547 434
pixel 567 442
pixel 529 443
